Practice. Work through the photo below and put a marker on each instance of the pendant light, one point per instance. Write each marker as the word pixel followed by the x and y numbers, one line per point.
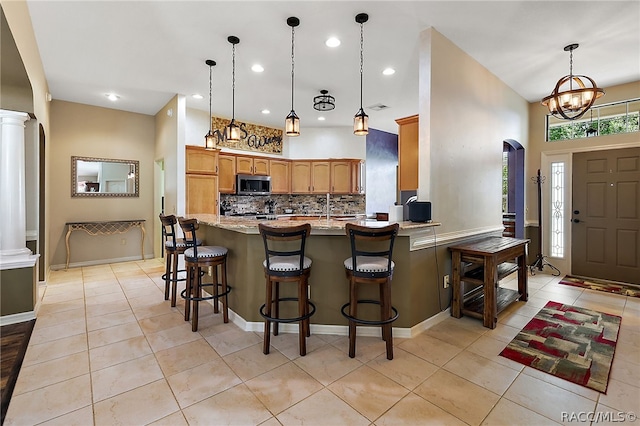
pixel 361 119
pixel 292 122
pixel 209 138
pixel 572 103
pixel 232 131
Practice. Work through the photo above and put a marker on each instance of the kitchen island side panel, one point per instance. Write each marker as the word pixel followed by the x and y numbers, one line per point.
pixel 414 285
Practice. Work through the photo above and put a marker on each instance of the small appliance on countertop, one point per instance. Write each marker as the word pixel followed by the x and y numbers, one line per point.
pixel 420 211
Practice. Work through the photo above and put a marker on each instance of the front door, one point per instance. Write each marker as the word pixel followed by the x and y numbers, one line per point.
pixel 606 215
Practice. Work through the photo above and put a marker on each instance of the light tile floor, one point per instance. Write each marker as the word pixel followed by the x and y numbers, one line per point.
pixel 107 349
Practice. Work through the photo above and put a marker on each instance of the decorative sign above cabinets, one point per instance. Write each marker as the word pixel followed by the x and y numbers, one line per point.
pixel 252 137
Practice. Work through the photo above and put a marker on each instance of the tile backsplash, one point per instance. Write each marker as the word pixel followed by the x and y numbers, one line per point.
pixel 310 204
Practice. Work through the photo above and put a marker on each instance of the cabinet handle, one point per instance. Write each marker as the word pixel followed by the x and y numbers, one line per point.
pixel 216 168
pixel 308 188
pixel 333 188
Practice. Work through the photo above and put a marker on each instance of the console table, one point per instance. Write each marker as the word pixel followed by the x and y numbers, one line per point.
pixel 108 227
pixel 484 262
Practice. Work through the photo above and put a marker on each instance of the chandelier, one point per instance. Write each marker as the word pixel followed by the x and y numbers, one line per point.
pixel 573 94
pixel 324 101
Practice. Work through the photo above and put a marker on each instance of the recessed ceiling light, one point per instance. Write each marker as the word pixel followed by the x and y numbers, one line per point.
pixel 257 68
pixel 112 96
pixel 388 71
pixel 332 42
pixel 197 96
pixel 266 111
pixel 321 118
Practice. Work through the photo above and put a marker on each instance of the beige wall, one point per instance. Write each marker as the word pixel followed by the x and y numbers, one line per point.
pixel 465 115
pixel 82 130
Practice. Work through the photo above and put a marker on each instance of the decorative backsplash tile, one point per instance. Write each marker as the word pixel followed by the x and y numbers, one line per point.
pixel 310 204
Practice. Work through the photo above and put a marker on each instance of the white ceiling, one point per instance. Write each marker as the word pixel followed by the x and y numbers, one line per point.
pixel 147 51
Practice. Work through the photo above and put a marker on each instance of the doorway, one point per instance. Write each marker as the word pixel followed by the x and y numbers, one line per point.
pixel 605 224
pixel 513 188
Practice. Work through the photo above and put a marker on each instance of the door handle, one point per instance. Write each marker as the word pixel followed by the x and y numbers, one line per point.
pixel 576 220
pixel 576 212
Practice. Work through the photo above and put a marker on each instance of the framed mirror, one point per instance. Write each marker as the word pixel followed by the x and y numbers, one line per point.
pixel 104 177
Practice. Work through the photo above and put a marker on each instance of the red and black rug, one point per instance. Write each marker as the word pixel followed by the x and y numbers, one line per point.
pixel 601 285
pixel 572 343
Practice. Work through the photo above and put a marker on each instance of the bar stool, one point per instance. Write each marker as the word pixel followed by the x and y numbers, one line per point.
pixel 285 262
pixel 195 259
pixel 173 247
pixel 370 263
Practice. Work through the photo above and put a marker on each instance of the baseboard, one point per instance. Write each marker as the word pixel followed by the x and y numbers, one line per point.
pixel 100 262
pixel 341 330
pixel 16 318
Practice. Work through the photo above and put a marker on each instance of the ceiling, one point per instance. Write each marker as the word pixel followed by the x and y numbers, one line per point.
pixel 148 51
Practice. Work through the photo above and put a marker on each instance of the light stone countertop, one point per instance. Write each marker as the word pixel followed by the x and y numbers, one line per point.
pixel 318 226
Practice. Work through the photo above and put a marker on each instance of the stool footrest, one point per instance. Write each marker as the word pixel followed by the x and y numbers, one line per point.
pixel 164 276
pixel 369 322
pixel 183 294
pixel 286 320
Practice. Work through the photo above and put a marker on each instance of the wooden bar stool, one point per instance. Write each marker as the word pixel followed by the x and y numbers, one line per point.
pixel 285 262
pixel 196 258
pixel 173 247
pixel 370 263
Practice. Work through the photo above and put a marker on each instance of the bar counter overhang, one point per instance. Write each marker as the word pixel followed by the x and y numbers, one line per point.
pixel 414 286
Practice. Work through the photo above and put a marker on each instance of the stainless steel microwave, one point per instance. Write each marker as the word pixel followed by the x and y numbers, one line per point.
pixel 253 185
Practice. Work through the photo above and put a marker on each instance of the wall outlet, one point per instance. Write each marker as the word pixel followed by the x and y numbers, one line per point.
pixel 123 242
pixel 445 281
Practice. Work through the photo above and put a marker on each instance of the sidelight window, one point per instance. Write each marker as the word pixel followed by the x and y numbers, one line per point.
pixel 557 189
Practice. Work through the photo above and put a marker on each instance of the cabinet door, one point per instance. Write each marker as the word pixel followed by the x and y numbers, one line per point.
pixel 340 177
pixel 200 160
pixel 227 174
pixel 280 176
pixel 261 166
pixel 320 177
pixel 202 194
pixel 244 165
pixel 300 177
pixel 408 153
pixel 357 177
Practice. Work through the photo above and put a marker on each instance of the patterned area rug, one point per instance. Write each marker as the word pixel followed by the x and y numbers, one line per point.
pixel 601 285
pixel 572 343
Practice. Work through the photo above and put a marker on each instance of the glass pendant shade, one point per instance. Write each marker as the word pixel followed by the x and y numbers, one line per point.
pixel 292 124
pixel 232 132
pixel 361 123
pixel 210 141
pixel 573 95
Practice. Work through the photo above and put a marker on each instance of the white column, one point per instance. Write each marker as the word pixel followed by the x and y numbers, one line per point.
pixel 12 186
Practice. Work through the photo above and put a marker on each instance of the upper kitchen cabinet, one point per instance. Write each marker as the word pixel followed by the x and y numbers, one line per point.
pixel 280 176
pixel 202 193
pixel 320 177
pixel 227 174
pixel 341 177
pixel 201 161
pixel 408 153
pixel 300 177
pixel 357 177
pixel 252 166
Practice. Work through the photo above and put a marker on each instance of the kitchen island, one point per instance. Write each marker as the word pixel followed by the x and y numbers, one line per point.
pixel 415 279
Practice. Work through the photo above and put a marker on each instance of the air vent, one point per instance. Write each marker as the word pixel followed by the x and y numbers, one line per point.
pixel 378 107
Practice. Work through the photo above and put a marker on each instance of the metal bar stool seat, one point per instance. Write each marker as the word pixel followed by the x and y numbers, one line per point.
pixel 370 263
pixel 196 258
pixel 285 262
pixel 173 247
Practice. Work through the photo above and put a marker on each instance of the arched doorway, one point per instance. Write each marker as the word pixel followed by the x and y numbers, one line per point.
pixel 513 188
